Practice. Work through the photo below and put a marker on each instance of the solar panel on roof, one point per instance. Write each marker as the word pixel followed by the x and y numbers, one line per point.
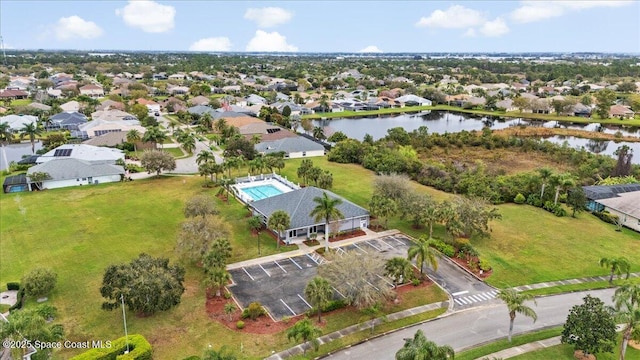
pixel 62 152
pixel 272 130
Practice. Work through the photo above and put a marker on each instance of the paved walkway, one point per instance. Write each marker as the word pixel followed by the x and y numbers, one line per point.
pixel 568 282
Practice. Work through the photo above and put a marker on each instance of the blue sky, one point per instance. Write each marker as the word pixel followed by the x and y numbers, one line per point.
pixel 323 26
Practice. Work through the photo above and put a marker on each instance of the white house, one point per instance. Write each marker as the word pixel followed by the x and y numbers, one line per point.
pixel 626 206
pixel 65 172
pixel 17 122
pixel 293 147
pixel 92 90
pixel 70 106
pixel 93 154
pixel 413 100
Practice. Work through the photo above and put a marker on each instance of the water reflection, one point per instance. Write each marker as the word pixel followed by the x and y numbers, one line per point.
pixel 596 146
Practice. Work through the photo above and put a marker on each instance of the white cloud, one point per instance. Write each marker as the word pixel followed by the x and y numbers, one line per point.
pixel 270 42
pixel 494 28
pixel 75 27
pixel 147 15
pixel 269 16
pixel 371 49
pixel 455 17
pixel 531 11
pixel 471 32
pixel 211 44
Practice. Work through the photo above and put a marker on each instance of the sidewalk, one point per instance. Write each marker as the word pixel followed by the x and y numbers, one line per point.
pixel 524 348
pixel 568 282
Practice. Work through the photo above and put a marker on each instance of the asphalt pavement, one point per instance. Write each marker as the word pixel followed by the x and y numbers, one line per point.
pixel 468 328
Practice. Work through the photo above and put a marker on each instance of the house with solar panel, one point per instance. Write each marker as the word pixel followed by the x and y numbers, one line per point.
pixel 620 200
pixel 66 172
pixel 95 154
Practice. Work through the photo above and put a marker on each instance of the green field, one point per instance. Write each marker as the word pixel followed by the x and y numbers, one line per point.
pixel 562 352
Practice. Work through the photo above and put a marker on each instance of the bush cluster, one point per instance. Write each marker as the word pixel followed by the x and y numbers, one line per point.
pixel 330 306
pixel 606 217
pixel 139 349
pixel 253 311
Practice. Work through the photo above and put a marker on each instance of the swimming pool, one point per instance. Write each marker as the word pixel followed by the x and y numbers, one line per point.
pixel 261 191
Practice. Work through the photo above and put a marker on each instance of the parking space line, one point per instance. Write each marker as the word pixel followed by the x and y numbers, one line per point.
pixel 339 293
pixel 398 241
pixel 287 306
pixel 265 271
pixel 295 263
pixel 341 251
pixel 305 301
pixel 281 268
pixel 356 245
pixel 246 272
pixel 385 280
pixel 386 243
pixel 372 285
pixel 312 259
pixel 373 246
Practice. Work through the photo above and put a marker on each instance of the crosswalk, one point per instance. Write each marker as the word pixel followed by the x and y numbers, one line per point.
pixel 470 299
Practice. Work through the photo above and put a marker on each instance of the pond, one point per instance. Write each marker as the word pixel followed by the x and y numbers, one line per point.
pixel 605 147
pixel 14 152
pixel 445 122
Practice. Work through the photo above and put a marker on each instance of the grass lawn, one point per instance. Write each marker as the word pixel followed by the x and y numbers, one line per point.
pixel 21 102
pixel 530 245
pixel 580 287
pixel 562 352
pixel 500 345
pixel 176 152
pixel 108 224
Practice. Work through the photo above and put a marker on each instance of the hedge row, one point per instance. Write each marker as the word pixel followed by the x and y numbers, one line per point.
pixel 139 349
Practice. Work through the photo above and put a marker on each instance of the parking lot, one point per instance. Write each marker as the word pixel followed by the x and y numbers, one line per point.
pixel 279 285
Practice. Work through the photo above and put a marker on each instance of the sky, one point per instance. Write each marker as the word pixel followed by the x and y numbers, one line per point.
pixel 323 26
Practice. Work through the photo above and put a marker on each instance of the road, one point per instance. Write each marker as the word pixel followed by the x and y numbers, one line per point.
pixel 474 326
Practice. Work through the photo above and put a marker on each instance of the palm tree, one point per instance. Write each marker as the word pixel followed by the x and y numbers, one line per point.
pixel 232 162
pixel 319 292
pixel 255 224
pixel 204 157
pixel 189 143
pixel 398 268
pixel 423 252
pixel 217 278
pixel 223 354
pixel 627 305
pixel 5 133
pixel 256 138
pixel 563 182
pixel 305 331
pixel 420 348
pixel 545 174
pixel 206 121
pixel 155 136
pixel 32 130
pixel 229 308
pixel 617 266
pixel 318 133
pixel 133 136
pixel 514 301
pixel 326 209
pixel 279 221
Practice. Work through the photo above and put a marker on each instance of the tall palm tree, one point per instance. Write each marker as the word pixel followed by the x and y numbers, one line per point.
pixel 514 301
pixel 545 174
pixel 5 133
pixel 206 121
pixel 31 130
pixel 628 314
pixel 326 209
pixel 319 293
pixel 419 348
pixel 398 268
pixel 423 252
pixel 189 143
pixel 217 277
pixel 305 331
pixel 318 133
pixel 204 156
pixel 627 292
pixel 154 135
pixel 563 182
pixel 279 221
pixel 133 136
pixel 617 266
pixel 256 138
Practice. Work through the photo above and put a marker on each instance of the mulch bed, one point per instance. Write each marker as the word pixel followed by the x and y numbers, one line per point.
pixel 311 242
pixel 463 263
pixel 350 235
pixel 376 227
pixel 262 325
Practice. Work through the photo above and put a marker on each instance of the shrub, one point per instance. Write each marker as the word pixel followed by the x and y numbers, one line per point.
pixel 330 306
pixel 255 310
pixel 227 294
pixel 534 200
pixel 519 199
pixel 13 285
pixel 47 311
pixel 446 249
pixel 19 300
pixel 484 265
pixel 139 349
pixel 559 211
pixel 39 282
pixel 415 282
pixel 240 325
pixel 606 217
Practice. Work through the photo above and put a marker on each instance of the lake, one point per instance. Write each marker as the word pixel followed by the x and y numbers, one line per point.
pixel 444 122
pixel 14 152
pixel 441 122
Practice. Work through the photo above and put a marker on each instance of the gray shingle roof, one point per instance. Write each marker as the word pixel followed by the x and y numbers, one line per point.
pixel 288 145
pixel 597 192
pixel 63 169
pixel 627 203
pixel 299 204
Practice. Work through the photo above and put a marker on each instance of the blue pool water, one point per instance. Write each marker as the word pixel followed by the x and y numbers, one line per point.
pixel 261 192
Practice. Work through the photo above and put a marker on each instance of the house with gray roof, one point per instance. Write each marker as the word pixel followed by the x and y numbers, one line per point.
pixel 65 172
pixel 17 122
pixel 626 206
pixel 67 120
pixel 595 193
pixel 93 154
pixel 299 204
pixel 292 147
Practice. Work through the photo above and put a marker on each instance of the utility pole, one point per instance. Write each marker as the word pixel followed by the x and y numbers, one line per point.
pixel 4 54
pixel 124 317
